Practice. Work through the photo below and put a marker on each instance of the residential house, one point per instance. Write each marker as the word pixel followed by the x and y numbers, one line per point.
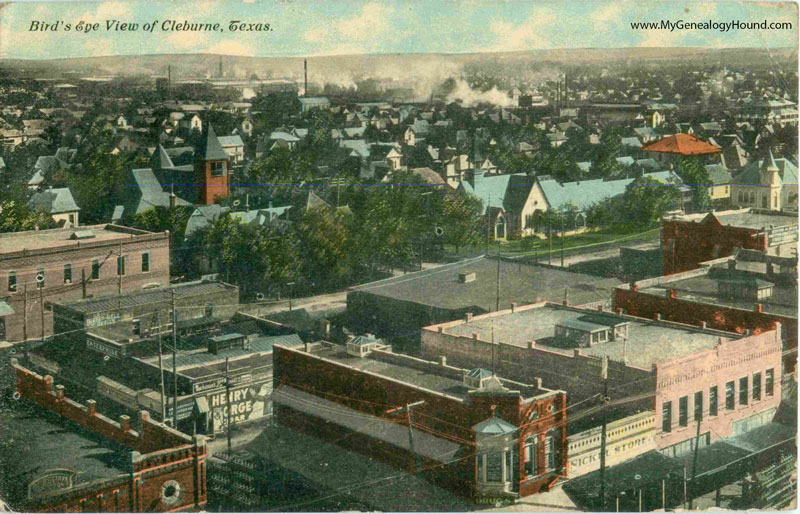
pixel 58 203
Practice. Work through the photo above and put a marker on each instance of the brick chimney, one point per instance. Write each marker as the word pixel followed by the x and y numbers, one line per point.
pixel 125 423
pixel 442 360
pixel 657 316
pixel 59 391
pixel 759 308
pixel 531 345
pixel 513 306
pixel 673 294
pixel 91 407
pixel 468 317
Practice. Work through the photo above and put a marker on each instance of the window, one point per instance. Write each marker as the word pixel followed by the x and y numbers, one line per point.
pixel 765 201
pixel 743 391
pixel 67 273
pixel 137 327
pixel 756 386
pixel 218 168
pixel 12 281
pixel 552 448
pixel 121 265
pixel 730 398
pixel 494 467
pixel 530 457
pixel 713 400
pixel 698 406
pixel 40 278
pixel 683 411
pixel 145 262
pixel 769 382
pixel 72 219
pixel 95 269
pixel 666 417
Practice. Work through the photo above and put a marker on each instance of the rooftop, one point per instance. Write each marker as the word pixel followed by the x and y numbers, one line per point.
pixel 63 237
pixel 441 287
pixel 743 218
pixel 428 375
pixel 647 343
pixel 161 294
pixel 36 443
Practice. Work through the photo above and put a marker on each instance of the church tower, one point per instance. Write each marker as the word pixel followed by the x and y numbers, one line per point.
pixel 771 184
pixel 212 169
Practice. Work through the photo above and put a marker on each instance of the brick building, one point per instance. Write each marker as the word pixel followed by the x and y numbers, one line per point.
pixel 689 240
pixel 70 458
pixel 746 291
pixel 37 267
pixel 676 370
pixel 474 433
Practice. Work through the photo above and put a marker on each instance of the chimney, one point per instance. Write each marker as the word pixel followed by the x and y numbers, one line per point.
pixel 125 423
pixel 778 330
pixel 475 336
pixel 305 77
pixel 442 360
pixel 703 325
pixel 732 264
pixel 91 406
pixel 600 308
pixel 577 352
pixel 173 200
pixel 468 317
pixel 60 392
pixel 619 310
pixel 673 294
pixel 634 286
pixel 759 308
pixel 513 306
pixel 440 329
pixel 326 329
pixel 657 316
pixel 531 344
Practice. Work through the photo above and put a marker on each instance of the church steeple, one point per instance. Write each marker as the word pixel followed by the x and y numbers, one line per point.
pixel 212 168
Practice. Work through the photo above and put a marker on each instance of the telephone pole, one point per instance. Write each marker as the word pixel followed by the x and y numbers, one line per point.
pixel 174 359
pixel 694 464
pixel 228 407
pixel 25 312
pixel 562 241
pixel 161 369
pixel 497 288
pixel 407 409
pixel 41 305
pixel 605 399
pixel 550 240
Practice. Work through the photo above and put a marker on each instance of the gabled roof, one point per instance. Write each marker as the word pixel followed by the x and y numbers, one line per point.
pixel 494 426
pixel 230 140
pixel 684 144
pixel 751 174
pixel 585 193
pixel 210 149
pixel 54 201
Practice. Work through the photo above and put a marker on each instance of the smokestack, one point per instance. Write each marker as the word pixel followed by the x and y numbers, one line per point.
pixel 220 67
pixel 305 77
pixel 566 92
pixel 169 77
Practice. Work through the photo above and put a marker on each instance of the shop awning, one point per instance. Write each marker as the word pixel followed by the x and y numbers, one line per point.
pixel 426 445
pixel 201 405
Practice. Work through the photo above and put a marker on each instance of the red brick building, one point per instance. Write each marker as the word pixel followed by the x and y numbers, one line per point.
pixel 689 240
pixel 69 458
pixel 37 267
pixel 476 434
pixel 212 169
pixel 748 291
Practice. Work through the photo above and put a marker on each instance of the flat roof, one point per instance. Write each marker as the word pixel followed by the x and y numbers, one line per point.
pixel 522 283
pixel 39 239
pixel 147 296
pixel 705 289
pixel 413 374
pixel 755 220
pixel 648 341
pixel 37 442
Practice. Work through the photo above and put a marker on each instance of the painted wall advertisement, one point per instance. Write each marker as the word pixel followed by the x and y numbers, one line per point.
pixel 247 403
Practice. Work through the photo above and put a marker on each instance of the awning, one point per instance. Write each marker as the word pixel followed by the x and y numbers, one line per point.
pixel 5 308
pixel 201 405
pixel 426 445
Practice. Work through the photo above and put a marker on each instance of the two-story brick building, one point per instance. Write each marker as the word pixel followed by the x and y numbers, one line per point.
pixel 466 430
pixel 68 457
pixel 37 267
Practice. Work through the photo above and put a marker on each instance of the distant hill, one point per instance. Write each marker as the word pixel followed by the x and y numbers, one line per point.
pixel 388 65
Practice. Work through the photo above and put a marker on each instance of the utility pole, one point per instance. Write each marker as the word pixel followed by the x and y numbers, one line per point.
pixel 120 269
pixel 41 305
pixel 174 359
pixel 83 282
pixel 562 241
pixel 228 406
pixel 497 305
pixel 694 463
pixel 161 369
pixel 407 409
pixel 25 312
pixel 550 240
pixel 605 399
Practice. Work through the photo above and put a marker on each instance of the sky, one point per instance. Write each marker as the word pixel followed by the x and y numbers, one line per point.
pixel 312 27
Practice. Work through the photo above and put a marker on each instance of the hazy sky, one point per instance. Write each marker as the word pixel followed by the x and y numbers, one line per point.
pixel 314 27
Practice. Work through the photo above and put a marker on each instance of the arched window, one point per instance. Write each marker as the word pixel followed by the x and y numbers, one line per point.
pixel 752 197
pixel 531 466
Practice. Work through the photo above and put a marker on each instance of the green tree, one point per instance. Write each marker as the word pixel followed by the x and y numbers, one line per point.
pixel 695 175
pixel 16 216
pixel 646 200
pixel 462 220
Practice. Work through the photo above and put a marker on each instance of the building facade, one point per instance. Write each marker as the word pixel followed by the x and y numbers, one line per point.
pixel 150 468
pixel 38 267
pixel 474 433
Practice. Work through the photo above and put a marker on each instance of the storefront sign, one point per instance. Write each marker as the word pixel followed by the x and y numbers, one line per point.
pixel 246 404
pixel 104 318
pixel 56 480
pixel 104 348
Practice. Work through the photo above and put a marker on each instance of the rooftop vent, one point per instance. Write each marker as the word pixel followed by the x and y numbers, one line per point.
pixel 82 234
pixel 361 346
pixel 467 276
pixel 585 331
pixel 476 377
pixel 223 342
